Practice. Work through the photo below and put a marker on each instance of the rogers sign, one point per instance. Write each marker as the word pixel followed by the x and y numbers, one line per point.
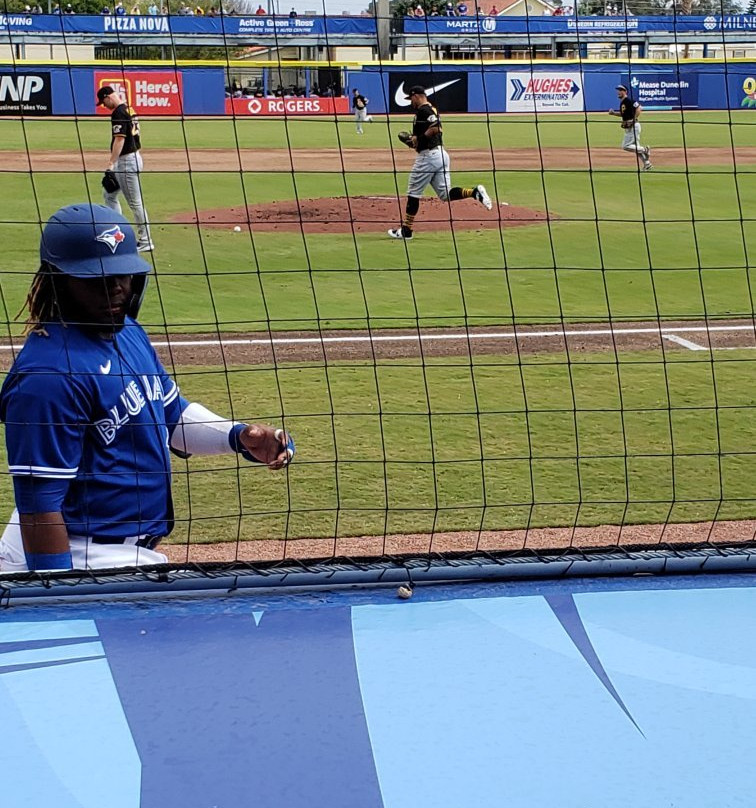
pixel 147 92
pixel 287 106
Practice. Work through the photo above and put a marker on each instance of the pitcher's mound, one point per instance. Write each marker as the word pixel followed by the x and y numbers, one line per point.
pixel 363 214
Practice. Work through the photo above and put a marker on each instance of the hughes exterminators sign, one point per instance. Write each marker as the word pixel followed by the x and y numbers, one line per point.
pixel 544 91
pixel 147 92
pixel 287 106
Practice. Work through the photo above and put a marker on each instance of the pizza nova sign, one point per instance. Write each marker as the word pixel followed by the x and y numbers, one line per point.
pixel 155 25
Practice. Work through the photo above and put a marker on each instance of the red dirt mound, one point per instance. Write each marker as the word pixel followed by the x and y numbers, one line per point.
pixel 364 214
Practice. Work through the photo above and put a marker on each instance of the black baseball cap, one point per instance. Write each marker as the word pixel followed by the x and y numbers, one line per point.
pixel 103 93
pixel 621 87
pixel 416 90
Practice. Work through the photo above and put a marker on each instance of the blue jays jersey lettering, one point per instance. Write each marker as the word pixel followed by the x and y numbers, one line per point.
pixel 97 415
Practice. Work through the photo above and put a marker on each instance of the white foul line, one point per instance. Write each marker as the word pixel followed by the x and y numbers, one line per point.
pixel 686 343
pixel 494 335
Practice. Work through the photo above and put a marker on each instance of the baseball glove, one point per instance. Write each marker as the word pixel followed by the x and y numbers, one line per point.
pixel 406 138
pixel 110 182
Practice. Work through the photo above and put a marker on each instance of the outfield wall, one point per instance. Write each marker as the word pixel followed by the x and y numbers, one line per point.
pixel 564 86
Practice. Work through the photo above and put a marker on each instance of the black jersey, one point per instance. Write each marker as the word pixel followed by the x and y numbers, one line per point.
pixel 627 108
pixel 126 125
pixel 426 117
pixel 359 102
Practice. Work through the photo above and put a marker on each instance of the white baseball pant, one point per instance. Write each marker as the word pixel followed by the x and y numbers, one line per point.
pixel 85 554
pixel 431 167
pixel 631 141
pixel 127 169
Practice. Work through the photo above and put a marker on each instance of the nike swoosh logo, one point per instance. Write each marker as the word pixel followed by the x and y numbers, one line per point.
pixel 401 101
pixel 105 368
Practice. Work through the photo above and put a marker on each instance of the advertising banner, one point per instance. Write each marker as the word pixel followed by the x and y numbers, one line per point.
pixel 545 91
pixel 287 106
pixel 123 26
pixel 577 24
pixel 655 89
pixel 446 89
pixel 147 92
pixel 25 93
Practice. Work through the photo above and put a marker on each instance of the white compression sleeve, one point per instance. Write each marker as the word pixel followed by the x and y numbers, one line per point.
pixel 202 432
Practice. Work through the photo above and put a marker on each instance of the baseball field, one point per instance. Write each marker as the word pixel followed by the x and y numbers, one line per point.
pixel 465 389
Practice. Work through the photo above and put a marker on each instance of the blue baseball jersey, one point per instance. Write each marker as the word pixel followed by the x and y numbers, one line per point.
pixel 87 425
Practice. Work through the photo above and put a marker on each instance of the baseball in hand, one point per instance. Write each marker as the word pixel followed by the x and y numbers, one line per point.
pixel 237 229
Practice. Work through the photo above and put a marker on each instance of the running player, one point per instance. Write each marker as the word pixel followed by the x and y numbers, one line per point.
pixel 360 105
pixel 126 162
pixel 431 165
pixel 630 111
pixel 91 415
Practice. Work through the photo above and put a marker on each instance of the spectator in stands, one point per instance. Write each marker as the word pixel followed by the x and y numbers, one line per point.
pixel 293 12
pixel 419 11
pixel 105 10
pixel 212 11
pixel 199 11
pixel 135 10
pixel 56 9
pixel 449 10
pixel 494 12
pixel 69 9
pixel 461 9
pixel 119 11
pixel 152 10
pixel 260 11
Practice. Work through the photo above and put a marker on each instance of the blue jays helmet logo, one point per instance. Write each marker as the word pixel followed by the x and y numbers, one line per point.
pixel 113 236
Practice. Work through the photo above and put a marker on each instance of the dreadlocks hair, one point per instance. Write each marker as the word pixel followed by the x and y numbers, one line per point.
pixel 42 301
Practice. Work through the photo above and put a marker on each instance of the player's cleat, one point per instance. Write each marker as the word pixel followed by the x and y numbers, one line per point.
pixel 647 166
pixel 146 247
pixel 401 233
pixel 481 195
pixel 647 152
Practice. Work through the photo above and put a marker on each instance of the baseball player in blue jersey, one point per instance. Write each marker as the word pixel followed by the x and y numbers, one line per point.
pixel 90 414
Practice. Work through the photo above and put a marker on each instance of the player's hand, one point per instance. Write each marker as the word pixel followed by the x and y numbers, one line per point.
pixel 110 166
pixel 413 142
pixel 271 446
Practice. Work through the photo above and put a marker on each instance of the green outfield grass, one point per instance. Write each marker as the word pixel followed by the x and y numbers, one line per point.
pixel 695 129
pixel 402 448
pixel 669 243
pixel 498 451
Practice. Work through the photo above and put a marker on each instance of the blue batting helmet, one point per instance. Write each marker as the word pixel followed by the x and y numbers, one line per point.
pixel 91 241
